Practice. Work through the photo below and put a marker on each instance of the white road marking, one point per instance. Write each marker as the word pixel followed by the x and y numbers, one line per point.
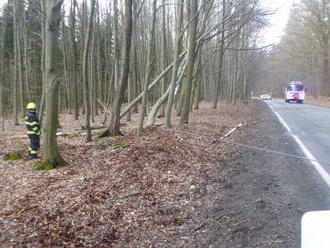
pixel 280 119
pixel 317 165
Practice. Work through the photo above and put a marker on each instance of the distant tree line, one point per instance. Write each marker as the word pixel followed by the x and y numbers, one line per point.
pixel 302 54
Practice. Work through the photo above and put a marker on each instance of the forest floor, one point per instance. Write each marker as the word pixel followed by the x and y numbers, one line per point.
pixel 179 187
pixel 320 101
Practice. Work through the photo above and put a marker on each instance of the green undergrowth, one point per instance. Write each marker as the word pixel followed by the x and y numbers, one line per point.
pixel 101 145
pixel 47 165
pixel 15 156
pixel 121 145
pixel 107 133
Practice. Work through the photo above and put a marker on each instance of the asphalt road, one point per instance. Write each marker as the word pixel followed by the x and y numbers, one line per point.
pixel 260 195
pixel 311 125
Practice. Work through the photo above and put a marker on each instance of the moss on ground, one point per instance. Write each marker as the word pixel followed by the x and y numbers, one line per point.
pixel 107 133
pixel 121 145
pixel 48 165
pixel 103 134
pixel 15 156
pixel 45 166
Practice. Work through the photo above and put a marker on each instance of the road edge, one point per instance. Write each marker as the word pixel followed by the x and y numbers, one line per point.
pixel 317 166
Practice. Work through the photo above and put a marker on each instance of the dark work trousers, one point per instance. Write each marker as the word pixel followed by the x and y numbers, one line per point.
pixel 34 146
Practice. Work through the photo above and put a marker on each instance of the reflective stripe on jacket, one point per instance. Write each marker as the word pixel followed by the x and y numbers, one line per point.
pixel 32 123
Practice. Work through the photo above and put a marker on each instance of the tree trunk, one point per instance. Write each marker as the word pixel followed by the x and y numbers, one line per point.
pixel 163 98
pixel 51 156
pixel 116 44
pixel 85 73
pixel 74 60
pixel 221 54
pixel 42 66
pixel 198 81
pixel 153 84
pixel 114 127
pixel 26 64
pixel 18 28
pixel 66 78
pixel 190 63
pixel 2 76
pixel 178 36
pixel 164 54
pixel 150 62
pixel 16 84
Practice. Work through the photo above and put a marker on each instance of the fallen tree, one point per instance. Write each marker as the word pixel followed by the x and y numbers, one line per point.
pixel 163 98
pixel 151 86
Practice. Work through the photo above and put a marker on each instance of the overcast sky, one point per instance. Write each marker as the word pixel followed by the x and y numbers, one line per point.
pixel 278 21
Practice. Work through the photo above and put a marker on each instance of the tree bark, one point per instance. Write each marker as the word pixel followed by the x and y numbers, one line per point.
pixel 26 61
pixel 2 76
pixel 42 66
pixel 19 6
pixel 150 62
pixel 116 44
pixel 74 59
pixel 221 54
pixel 164 54
pixel 178 36
pixel 114 127
pixel 153 84
pixel 51 156
pixel 191 60
pixel 160 102
pixel 85 72
pixel 16 84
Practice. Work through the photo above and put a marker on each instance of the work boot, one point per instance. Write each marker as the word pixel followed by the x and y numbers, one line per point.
pixel 33 156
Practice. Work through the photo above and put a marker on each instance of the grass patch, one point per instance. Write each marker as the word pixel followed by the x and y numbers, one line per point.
pixel 14 156
pixel 121 145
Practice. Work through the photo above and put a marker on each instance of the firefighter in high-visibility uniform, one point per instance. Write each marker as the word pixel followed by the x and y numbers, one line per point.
pixel 33 129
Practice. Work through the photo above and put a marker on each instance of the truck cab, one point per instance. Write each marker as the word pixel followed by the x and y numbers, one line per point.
pixel 295 92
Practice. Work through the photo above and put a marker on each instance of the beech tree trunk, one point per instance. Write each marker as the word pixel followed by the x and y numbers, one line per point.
pixel 74 59
pixel 161 101
pixel 164 55
pixel 20 57
pixel 150 62
pixel 114 127
pixel 85 73
pixel 51 156
pixel 176 63
pixel 221 55
pixel 42 66
pixel 116 44
pixel 16 84
pixel 190 63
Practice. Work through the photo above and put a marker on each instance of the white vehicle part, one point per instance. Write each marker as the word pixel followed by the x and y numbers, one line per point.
pixel 315 226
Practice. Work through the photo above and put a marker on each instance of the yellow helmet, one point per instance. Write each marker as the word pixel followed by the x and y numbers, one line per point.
pixel 31 106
